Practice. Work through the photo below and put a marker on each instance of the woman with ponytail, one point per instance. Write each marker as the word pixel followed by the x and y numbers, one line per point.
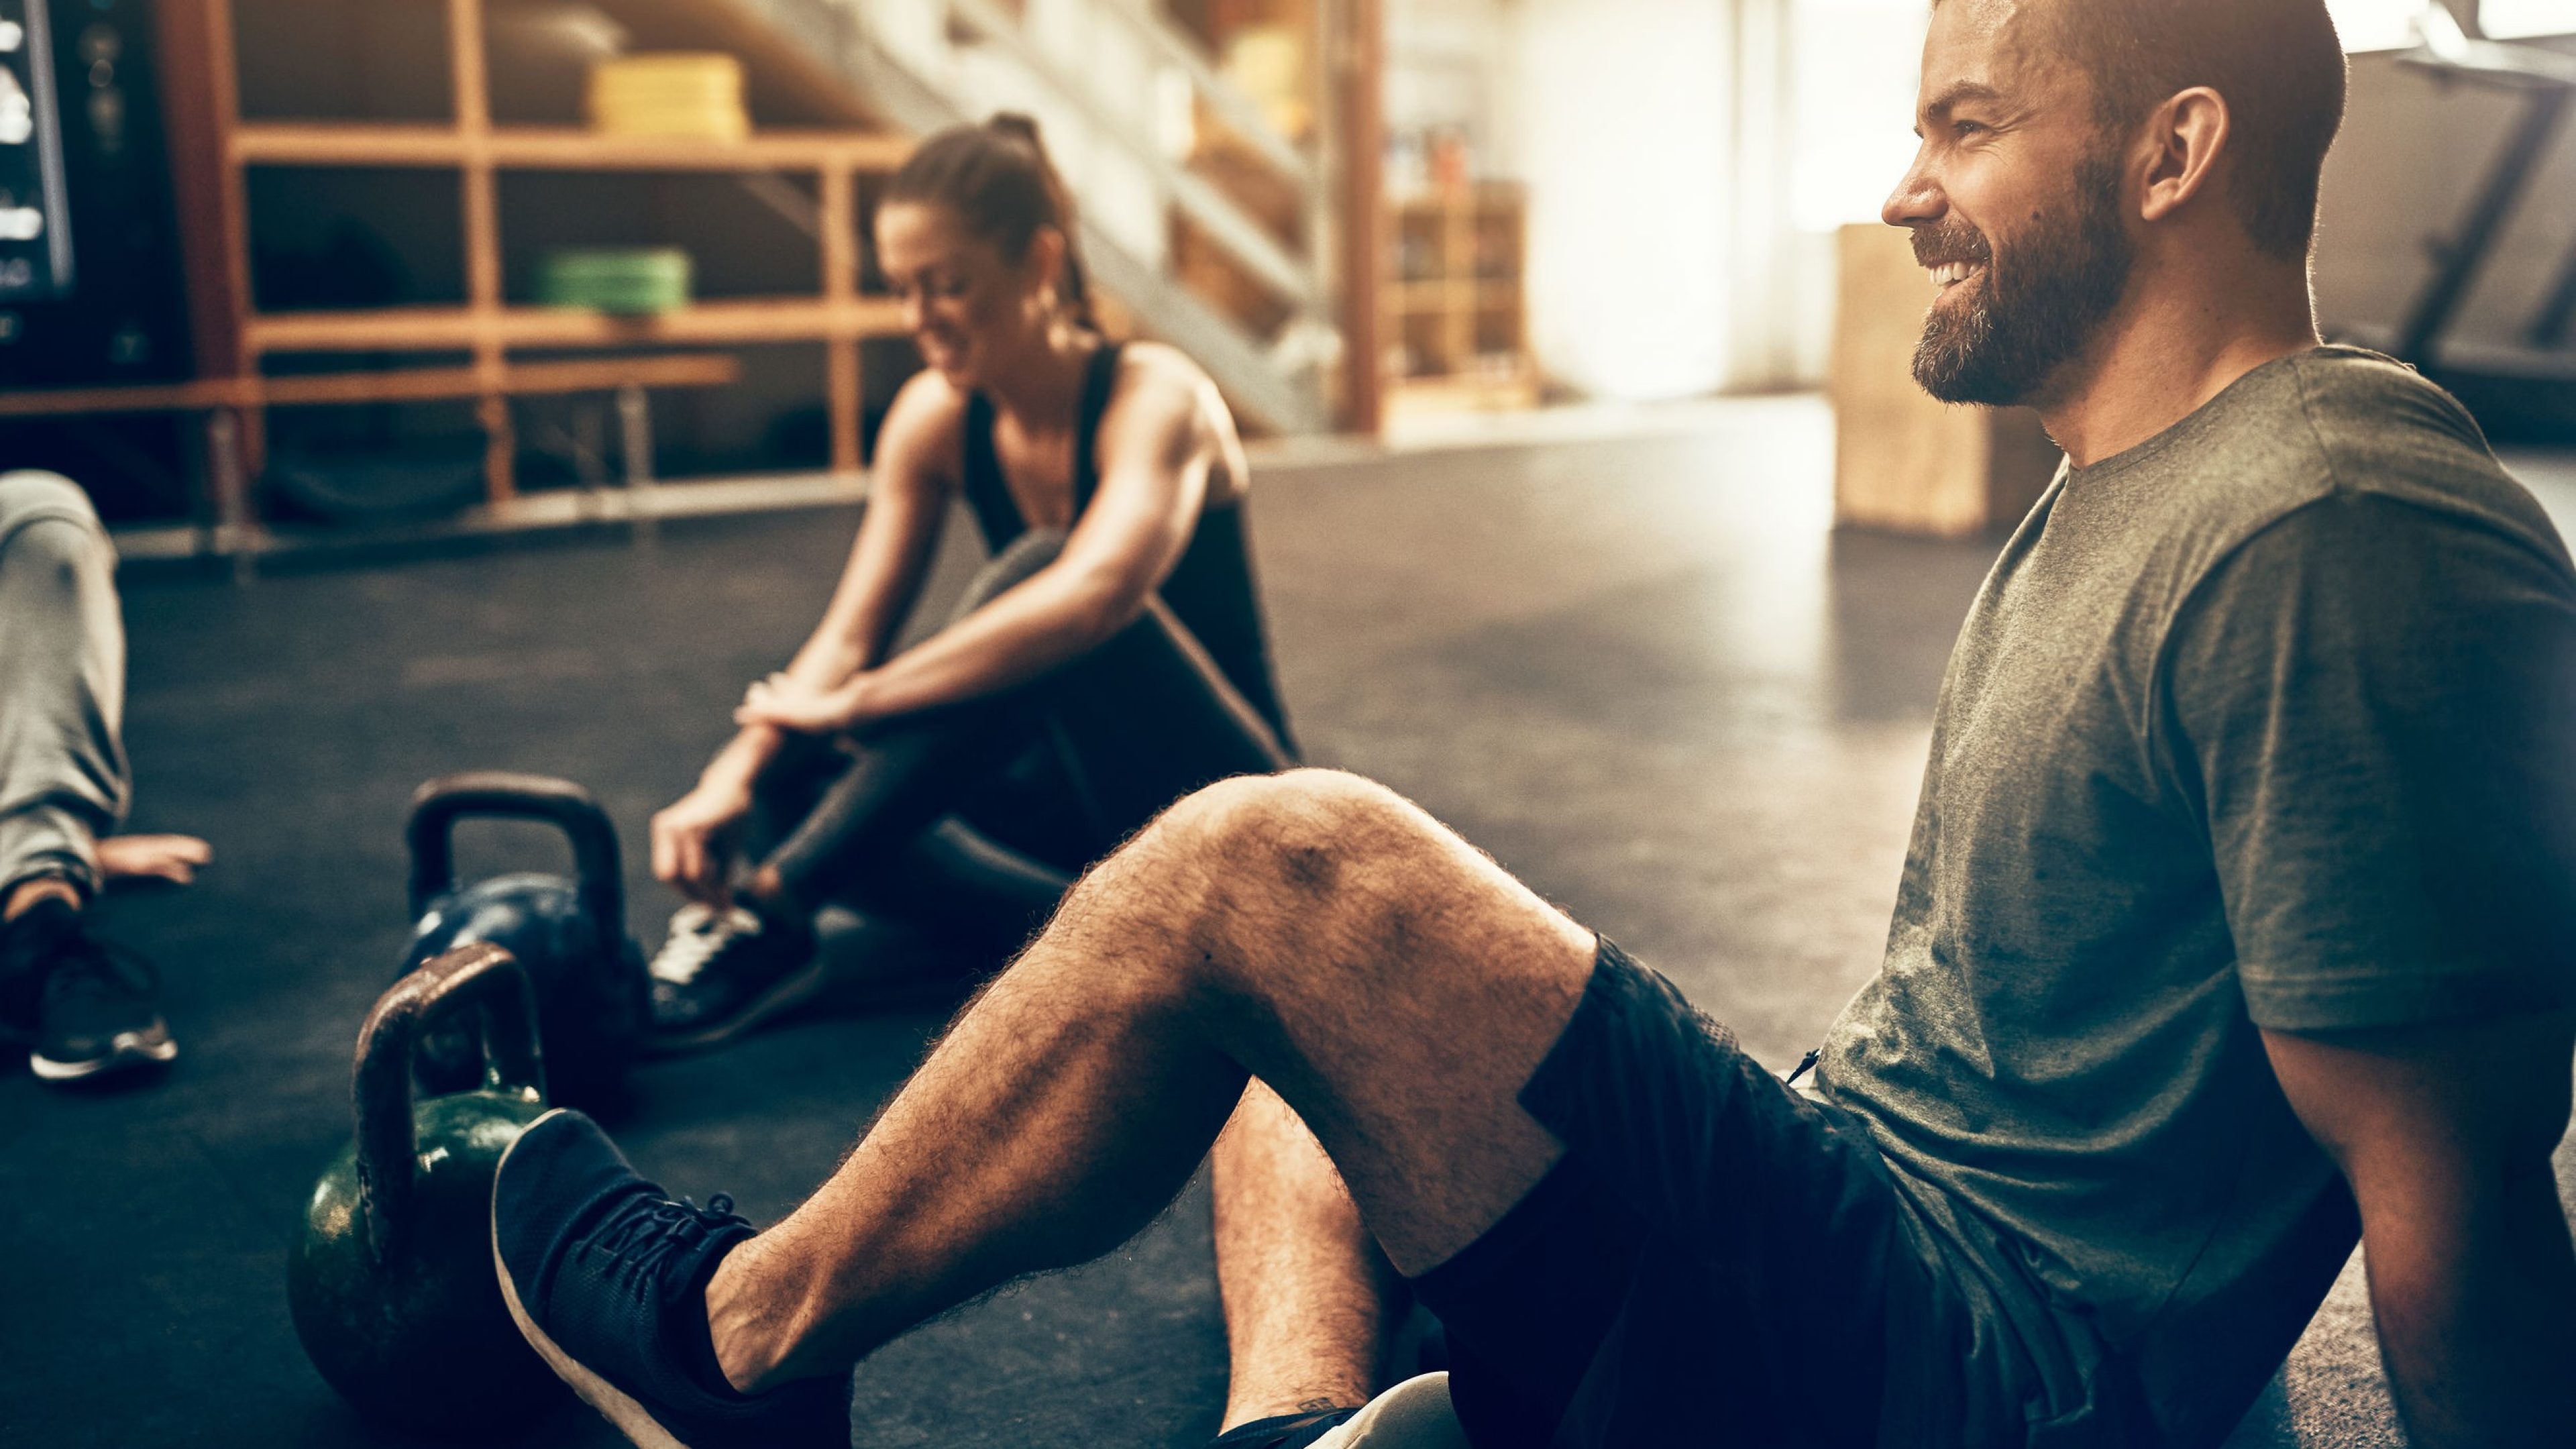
pixel 1113 646
pixel 1116 637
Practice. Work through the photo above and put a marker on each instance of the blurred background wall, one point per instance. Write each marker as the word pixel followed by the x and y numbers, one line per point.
pixel 1558 201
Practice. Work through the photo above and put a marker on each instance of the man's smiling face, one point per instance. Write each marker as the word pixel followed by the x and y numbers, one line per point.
pixel 2014 200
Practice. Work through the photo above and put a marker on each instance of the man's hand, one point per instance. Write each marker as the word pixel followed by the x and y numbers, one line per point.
pixel 172 858
pixel 689 851
pixel 2445 1134
pixel 790 703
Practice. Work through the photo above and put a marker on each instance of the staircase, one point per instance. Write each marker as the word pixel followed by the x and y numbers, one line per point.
pixel 1125 99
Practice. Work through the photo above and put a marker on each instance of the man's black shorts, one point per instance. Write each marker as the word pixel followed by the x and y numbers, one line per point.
pixel 1710 1263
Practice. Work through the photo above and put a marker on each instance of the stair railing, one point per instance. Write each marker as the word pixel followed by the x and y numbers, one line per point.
pixel 908 62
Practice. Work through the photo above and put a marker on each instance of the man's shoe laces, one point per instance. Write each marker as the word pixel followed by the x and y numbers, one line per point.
pixel 641 1241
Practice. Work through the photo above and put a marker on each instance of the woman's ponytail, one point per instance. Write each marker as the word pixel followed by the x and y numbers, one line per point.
pixel 998 180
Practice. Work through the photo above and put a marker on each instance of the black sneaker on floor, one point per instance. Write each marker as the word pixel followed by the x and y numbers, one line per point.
pixel 86 1008
pixel 607 1278
pixel 723 972
pixel 26 959
pixel 1287 1431
pixel 1414 1414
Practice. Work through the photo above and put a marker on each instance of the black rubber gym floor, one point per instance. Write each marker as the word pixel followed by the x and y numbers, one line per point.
pixel 1643 673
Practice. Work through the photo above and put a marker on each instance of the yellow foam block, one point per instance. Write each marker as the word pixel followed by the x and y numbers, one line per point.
pixel 675 93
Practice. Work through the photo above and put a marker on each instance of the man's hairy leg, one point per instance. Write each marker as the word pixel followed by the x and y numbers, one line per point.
pixel 1392 983
pixel 1305 1288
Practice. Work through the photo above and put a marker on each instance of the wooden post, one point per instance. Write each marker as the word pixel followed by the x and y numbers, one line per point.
pixel 201 106
pixel 1359 63
pixel 843 384
pixel 480 195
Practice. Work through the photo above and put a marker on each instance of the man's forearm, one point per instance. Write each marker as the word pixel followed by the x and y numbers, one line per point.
pixel 2481 1345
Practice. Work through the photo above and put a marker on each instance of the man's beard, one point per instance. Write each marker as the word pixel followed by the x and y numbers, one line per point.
pixel 2068 271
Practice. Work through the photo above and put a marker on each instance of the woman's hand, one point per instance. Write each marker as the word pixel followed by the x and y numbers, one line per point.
pixel 791 704
pixel 689 849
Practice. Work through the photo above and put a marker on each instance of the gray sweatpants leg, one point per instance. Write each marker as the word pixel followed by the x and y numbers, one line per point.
pixel 63 780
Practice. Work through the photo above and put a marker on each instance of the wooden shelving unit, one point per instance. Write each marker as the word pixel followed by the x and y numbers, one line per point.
pixel 211 148
pixel 1455 316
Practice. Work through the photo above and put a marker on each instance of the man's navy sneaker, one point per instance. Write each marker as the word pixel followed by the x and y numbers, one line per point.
pixel 607 1277
pixel 1414 1414
pixel 1286 1431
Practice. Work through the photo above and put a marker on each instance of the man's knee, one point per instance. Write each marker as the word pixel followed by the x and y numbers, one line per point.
pixel 54 559
pixel 50 537
pixel 1301 833
pixel 30 495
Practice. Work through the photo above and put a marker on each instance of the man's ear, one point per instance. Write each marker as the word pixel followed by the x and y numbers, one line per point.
pixel 2182 142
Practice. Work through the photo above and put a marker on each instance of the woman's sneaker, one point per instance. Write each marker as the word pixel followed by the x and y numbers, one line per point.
pixel 724 971
pixel 1414 1414
pixel 84 1007
pixel 607 1278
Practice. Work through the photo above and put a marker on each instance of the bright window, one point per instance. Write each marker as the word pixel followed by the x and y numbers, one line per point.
pixel 1854 68
pixel 2376 24
pixel 2515 19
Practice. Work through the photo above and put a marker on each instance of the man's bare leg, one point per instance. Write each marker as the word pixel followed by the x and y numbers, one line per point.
pixel 1305 1287
pixel 1393 984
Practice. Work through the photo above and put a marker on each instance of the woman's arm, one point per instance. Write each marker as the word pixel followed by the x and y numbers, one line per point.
pixel 1159 443
pixel 916 469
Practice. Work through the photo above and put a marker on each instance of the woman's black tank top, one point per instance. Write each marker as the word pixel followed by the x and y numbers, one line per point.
pixel 1211 588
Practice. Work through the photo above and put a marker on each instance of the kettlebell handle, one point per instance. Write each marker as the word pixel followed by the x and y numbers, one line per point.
pixel 439 804
pixel 482 978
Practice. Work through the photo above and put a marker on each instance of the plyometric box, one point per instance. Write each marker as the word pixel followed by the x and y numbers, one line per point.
pixel 1903 462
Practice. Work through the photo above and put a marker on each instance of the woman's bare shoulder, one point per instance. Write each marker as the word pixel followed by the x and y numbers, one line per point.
pixel 1168 384
pixel 925 429
pixel 1163 370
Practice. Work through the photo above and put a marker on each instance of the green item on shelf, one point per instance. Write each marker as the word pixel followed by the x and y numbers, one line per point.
pixel 628 280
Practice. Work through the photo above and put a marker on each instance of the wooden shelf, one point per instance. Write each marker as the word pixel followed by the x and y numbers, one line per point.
pixel 424 329
pixel 559 148
pixel 320 145
pixel 1462 330
pixel 213 149
pixel 408 384
pixel 1437 296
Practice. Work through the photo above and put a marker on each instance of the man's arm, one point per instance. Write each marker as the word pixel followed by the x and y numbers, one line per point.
pixel 2445 1134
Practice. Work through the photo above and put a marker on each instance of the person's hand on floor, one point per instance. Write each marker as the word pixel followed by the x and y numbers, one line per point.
pixel 689 851
pixel 172 858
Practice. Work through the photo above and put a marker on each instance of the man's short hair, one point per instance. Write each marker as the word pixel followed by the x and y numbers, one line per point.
pixel 2279 63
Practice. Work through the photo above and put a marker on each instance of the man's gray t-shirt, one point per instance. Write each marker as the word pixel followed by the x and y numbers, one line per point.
pixel 2269 722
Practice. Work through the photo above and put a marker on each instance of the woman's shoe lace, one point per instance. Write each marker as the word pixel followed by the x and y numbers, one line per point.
pixel 698 935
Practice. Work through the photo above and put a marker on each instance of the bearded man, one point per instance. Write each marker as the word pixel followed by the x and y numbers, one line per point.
pixel 2234 928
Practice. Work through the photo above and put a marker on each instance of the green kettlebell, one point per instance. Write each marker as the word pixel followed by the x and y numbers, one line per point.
pixel 391 1281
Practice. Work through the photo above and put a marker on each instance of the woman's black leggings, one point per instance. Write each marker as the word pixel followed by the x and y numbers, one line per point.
pixel 882 821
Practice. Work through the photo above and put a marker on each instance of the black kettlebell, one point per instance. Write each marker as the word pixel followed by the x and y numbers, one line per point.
pixel 570 935
pixel 391 1282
